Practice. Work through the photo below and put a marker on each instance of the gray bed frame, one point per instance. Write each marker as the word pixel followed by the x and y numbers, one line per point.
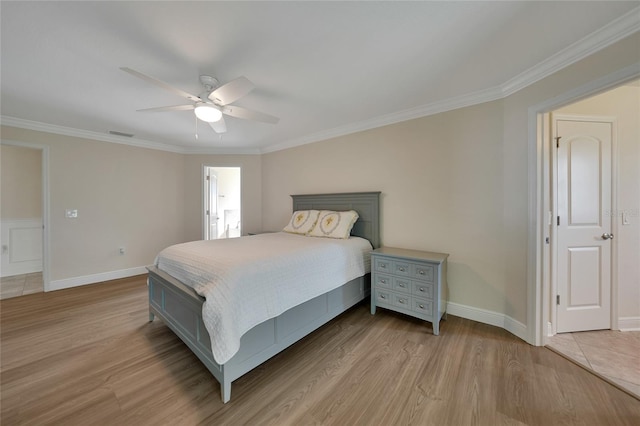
pixel 180 307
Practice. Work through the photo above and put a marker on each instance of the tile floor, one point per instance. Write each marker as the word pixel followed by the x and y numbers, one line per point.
pixel 612 355
pixel 19 285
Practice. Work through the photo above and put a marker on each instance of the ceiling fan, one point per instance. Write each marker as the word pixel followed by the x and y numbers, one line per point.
pixel 213 102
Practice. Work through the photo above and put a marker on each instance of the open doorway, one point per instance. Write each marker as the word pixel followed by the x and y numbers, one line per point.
pixel 23 219
pixel 613 270
pixel 221 200
pixel 592 284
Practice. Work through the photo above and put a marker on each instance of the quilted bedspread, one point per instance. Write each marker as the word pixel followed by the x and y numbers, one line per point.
pixel 249 280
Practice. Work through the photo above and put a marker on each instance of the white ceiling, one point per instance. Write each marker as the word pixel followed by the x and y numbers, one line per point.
pixel 324 68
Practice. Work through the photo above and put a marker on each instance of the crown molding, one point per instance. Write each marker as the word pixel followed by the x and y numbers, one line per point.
pixel 102 137
pixel 613 32
pixel 85 134
pixel 616 30
pixel 437 107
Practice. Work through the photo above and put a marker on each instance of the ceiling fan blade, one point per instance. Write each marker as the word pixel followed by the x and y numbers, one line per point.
pixel 162 84
pixel 232 91
pixel 168 108
pixel 247 114
pixel 219 126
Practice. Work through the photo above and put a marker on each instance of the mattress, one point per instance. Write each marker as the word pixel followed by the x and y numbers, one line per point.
pixel 246 281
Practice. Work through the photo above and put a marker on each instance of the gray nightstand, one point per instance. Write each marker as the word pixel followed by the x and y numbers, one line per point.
pixel 411 282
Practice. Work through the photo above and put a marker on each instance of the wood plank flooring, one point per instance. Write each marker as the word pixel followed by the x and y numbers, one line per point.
pixel 88 355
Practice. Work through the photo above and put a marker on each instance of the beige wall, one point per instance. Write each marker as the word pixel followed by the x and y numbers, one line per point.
pixel 455 182
pixel 441 183
pixel 125 196
pixel 624 104
pixel 20 183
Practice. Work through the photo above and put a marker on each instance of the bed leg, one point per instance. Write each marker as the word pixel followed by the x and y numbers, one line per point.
pixel 151 316
pixel 225 390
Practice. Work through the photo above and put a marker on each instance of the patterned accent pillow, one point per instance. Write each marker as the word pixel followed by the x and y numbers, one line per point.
pixel 302 222
pixel 334 224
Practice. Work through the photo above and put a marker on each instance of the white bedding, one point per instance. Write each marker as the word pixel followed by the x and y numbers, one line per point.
pixel 249 280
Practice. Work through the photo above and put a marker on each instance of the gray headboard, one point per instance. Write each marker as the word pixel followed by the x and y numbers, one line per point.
pixel 367 204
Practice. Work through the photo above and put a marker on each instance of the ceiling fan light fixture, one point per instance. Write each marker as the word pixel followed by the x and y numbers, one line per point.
pixel 208 113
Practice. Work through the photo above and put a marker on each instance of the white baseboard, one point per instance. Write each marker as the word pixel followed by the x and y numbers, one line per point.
pixel 489 317
pixel 629 323
pixel 95 278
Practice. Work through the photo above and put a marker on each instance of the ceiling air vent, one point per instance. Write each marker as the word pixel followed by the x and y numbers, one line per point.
pixel 116 133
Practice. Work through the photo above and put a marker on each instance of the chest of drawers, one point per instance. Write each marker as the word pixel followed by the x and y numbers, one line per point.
pixel 412 282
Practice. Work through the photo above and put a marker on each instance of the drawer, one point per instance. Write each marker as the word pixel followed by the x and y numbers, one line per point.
pixel 423 272
pixel 383 297
pixel 381 280
pixel 401 268
pixel 423 306
pixel 402 285
pixel 422 289
pixel 382 265
pixel 401 300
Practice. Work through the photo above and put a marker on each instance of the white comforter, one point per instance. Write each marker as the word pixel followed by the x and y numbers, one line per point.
pixel 248 280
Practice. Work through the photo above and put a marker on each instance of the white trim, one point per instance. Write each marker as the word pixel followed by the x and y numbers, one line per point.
pixel 96 278
pixel 489 317
pixel 616 30
pixel 611 33
pixel 105 137
pixel 437 107
pixel 86 134
pixel 537 264
pixel 46 222
pixel 629 323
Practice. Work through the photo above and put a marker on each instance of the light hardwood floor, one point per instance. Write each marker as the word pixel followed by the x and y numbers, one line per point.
pixel 88 356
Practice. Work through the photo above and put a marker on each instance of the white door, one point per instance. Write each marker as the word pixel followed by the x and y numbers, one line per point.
pixel 584 224
pixel 210 205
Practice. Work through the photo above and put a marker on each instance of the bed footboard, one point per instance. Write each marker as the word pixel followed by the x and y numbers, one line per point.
pixel 180 307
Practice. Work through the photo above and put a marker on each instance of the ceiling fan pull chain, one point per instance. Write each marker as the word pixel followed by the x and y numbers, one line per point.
pixel 196 118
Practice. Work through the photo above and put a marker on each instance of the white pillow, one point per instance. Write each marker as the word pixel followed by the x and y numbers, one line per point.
pixel 334 224
pixel 302 221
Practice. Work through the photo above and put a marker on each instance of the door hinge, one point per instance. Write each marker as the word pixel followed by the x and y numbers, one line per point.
pixel 207 212
pixel 208 178
pixel 558 220
pixel 557 299
pixel 558 141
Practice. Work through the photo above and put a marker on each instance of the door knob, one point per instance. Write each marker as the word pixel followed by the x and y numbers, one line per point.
pixel 607 236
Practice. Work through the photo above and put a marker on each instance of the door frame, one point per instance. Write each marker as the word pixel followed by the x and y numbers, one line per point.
pixel 538 251
pixel 553 195
pixel 203 188
pixel 46 228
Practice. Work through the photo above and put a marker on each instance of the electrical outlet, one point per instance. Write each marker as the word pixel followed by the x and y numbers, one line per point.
pixel 122 250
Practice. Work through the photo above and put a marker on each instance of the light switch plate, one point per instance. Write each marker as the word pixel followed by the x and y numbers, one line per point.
pixel 71 214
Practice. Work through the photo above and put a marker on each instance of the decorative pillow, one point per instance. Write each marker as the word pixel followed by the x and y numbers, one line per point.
pixel 302 222
pixel 334 224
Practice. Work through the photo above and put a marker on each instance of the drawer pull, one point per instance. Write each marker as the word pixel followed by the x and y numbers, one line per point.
pixel 421 306
pixel 382 296
pixel 383 281
pixel 422 289
pixel 383 266
pixel 401 285
pixel 401 301
pixel 421 272
pixel 401 269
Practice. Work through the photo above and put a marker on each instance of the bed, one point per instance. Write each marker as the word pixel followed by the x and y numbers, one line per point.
pixel 180 307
